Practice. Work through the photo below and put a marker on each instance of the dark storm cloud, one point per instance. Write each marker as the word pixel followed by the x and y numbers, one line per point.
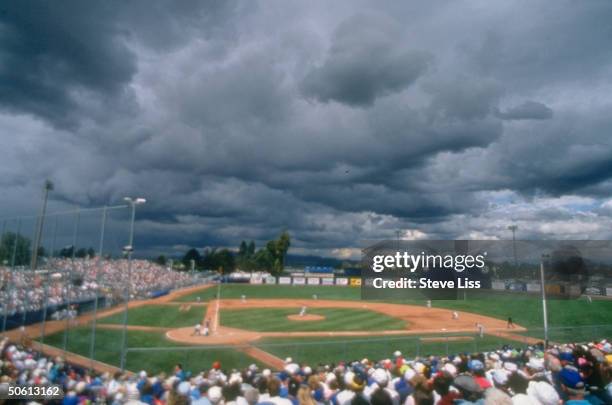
pixel 367 59
pixel 529 110
pixel 52 50
pixel 340 123
pixel 56 54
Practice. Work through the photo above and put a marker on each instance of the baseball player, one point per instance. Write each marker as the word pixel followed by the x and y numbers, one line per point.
pixel 480 328
pixel 207 327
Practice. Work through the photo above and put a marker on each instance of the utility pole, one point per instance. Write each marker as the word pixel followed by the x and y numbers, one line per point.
pixel 41 220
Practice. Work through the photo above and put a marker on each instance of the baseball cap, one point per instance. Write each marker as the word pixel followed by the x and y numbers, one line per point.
pixel 467 383
pixel 475 365
pixel 543 392
pixel 571 379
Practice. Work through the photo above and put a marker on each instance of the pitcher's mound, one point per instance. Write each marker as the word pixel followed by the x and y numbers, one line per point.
pixel 307 317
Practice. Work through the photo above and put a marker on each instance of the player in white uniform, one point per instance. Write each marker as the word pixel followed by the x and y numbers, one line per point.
pixel 303 311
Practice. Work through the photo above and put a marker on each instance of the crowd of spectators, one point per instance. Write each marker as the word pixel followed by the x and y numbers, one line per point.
pixel 78 280
pixel 571 374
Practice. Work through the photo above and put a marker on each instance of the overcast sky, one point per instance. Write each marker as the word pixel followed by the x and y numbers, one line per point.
pixel 339 121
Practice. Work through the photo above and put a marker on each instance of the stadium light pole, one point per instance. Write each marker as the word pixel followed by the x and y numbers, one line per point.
pixel 543 288
pixel 41 220
pixel 133 202
pixel 513 228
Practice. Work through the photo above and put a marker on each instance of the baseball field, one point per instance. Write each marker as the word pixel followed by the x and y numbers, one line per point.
pixel 262 324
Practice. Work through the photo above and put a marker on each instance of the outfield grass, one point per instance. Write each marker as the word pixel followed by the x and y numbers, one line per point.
pixel 164 316
pixel 336 319
pixel 524 309
pixel 108 350
pixel 528 311
pixel 325 350
pixel 274 291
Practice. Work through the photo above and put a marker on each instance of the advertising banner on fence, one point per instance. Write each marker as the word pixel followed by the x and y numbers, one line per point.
pixel 498 285
pixel 256 279
pixel 609 292
pixel 341 281
pixel 327 281
pixel 284 280
pixel 270 280
pixel 313 281
pixel 299 280
pixel 533 287
pixel 355 282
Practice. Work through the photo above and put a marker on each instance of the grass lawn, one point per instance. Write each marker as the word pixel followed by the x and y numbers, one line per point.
pixel 108 350
pixel 527 311
pixel 164 316
pixel 275 291
pixel 319 350
pixel 336 319
pixel 524 309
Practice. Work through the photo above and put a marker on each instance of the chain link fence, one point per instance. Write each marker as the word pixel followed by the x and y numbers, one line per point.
pixel 74 262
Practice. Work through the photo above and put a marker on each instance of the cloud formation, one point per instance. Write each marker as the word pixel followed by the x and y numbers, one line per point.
pixel 341 123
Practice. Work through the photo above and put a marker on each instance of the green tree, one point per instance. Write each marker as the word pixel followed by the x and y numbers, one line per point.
pixel 81 253
pixel 22 249
pixel 161 260
pixel 278 250
pixel 192 254
pixel 251 249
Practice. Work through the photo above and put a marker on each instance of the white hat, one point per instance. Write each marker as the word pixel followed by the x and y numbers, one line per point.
pixel 292 368
pixel 522 399
pixel 329 377
pixel 500 376
pixel 543 392
pixel 183 388
pixel 214 394
pixel 450 369
pixel 307 370
pixel 510 366
pixel 380 376
pixel 536 364
pixel 409 374
pixel 288 360
pixel 235 378
pixel 266 372
pixel 397 353
pixel 348 377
